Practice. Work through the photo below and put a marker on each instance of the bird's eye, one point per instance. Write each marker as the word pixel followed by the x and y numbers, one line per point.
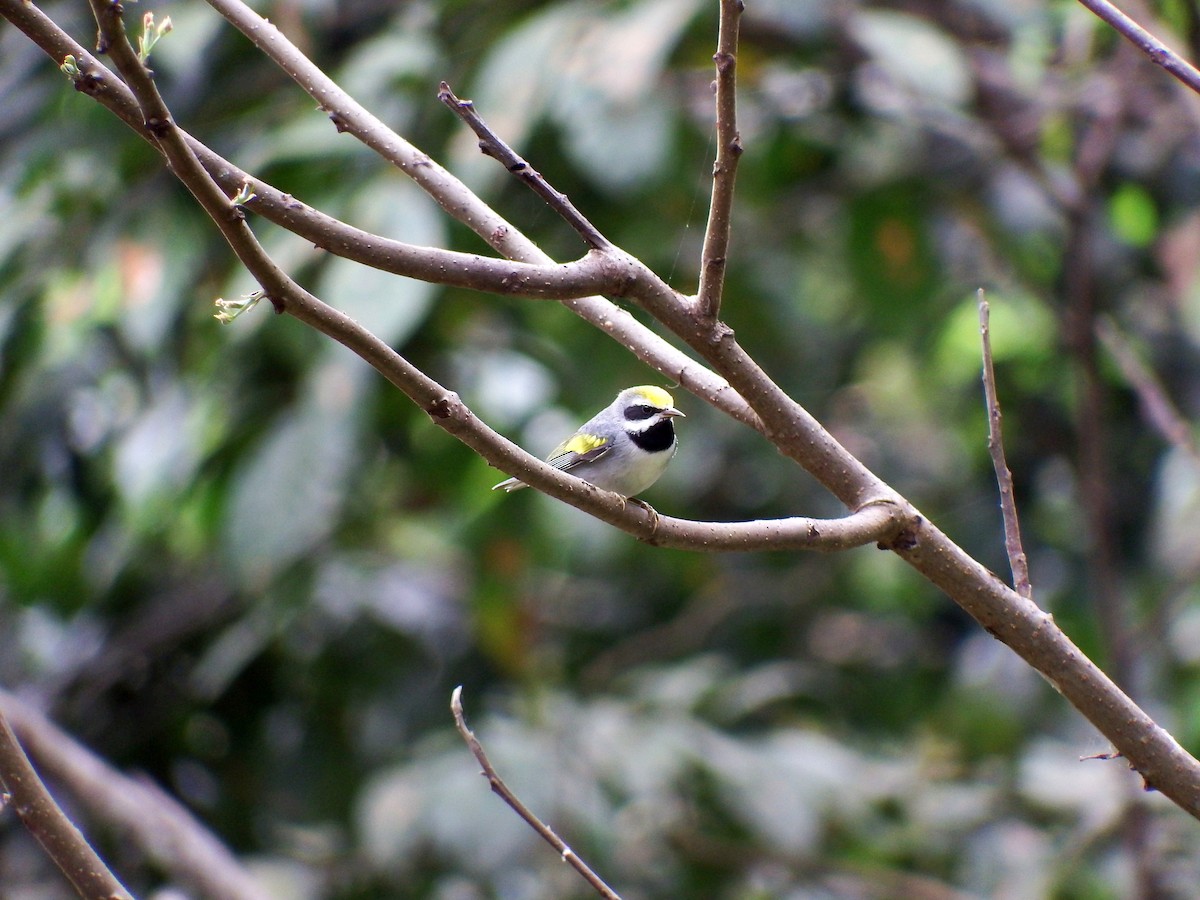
pixel 640 411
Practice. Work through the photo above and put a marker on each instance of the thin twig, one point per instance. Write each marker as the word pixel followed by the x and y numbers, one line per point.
pixel 57 834
pixel 1158 52
pixel 142 812
pixel 1157 407
pixel 1008 504
pixel 729 150
pixel 491 145
pixel 504 793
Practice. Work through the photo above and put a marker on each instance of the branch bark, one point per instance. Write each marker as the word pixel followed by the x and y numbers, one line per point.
pixel 1008 503
pixel 729 150
pixel 1159 53
pixel 46 821
pixel 489 145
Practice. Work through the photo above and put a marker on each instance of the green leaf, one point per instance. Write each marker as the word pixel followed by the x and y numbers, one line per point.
pixel 1133 214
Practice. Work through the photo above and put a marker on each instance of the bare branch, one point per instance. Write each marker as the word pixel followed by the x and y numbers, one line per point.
pixel 466 207
pixel 58 836
pixel 1158 52
pixel 1157 407
pixel 348 115
pixel 872 524
pixel 491 145
pixel 789 426
pixel 379 252
pixel 1017 621
pixel 729 150
pixel 876 523
pixel 155 822
pixel 1008 503
pixel 502 790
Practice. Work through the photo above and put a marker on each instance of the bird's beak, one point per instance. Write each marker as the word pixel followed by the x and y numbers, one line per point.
pixel 671 413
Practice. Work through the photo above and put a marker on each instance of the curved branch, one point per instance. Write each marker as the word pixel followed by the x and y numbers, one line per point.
pixel 879 522
pixel 57 834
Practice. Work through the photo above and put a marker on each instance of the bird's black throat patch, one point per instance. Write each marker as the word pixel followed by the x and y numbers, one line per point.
pixel 656 438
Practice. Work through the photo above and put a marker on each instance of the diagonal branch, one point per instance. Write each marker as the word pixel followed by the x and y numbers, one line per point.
pixel 502 790
pixel 729 150
pixel 876 522
pixel 160 827
pixel 1017 621
pixel 57 834
pixel 507 157
pixel 1158 52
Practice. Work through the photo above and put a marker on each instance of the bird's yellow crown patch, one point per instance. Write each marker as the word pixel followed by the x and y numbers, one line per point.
pixel 655 396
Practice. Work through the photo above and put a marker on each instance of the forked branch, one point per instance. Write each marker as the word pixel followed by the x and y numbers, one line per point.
pixel 876 521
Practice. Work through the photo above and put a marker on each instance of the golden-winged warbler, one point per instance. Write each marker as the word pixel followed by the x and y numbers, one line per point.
pixel 623 448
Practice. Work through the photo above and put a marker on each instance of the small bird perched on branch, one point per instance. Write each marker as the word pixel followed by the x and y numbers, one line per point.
pixel 623 448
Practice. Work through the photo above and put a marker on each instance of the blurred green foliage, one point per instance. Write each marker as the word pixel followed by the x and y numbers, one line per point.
pixel 234 558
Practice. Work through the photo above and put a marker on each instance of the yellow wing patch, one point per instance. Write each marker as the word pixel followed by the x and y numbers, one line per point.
pixel 655 396
pixel 581 444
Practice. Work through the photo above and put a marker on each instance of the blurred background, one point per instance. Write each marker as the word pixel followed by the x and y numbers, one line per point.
pixel 234 559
